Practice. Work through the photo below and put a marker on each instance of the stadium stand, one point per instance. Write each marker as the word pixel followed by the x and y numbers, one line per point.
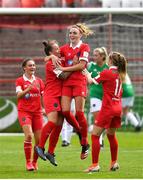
pixel 50 3
pixel 122 3
pixel 10 3
pixel 21 36
pixel 111 3
pixel 72 3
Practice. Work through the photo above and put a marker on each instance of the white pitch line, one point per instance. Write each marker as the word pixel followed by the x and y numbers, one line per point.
pixel 11 134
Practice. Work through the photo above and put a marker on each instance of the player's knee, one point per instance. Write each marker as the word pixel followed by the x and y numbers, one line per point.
pixel 28 137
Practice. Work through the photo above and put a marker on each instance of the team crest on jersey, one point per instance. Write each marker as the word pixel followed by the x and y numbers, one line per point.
pixel 85 54
pixel 70 62
pixel 27 96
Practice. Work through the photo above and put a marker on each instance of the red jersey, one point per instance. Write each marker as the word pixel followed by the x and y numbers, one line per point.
pixel 31 102
pixel 68 52
pixel 112 88
pixel 53 86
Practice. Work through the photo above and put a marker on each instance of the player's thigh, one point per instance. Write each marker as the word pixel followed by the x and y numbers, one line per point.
pixel 53 116
pixel 27 129
pixel 60 119
pixel 111 131
pixel 66 103
pixel 79 103
pixel 97 130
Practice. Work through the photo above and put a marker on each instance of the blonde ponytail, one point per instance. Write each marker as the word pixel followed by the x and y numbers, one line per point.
pixel 84 29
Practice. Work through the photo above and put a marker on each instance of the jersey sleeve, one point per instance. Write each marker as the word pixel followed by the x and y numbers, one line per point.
pixel 62 49
pixel 84 52
pixel 49 66
pixel 103 76
pixel 42 85
pixel 89 66
pixel 18 84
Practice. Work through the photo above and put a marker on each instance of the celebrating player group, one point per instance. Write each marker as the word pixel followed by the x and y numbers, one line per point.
pixel 67 77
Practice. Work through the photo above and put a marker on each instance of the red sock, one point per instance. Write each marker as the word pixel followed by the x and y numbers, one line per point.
pixel 95 148
pixel 113 146
pixel 28 150
pixel 46 130
pixel 71 120
pixel 53 139
pixel 84 127
pixel 35 156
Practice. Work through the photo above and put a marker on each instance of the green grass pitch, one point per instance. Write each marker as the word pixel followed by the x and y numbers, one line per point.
pixel 12 163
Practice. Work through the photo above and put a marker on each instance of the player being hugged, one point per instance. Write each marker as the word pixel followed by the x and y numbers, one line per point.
pixel 109 116
pixel 29 89
pixel 52 103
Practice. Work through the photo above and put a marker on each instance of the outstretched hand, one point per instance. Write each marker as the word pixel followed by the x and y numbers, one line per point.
pixel 56 61
pixel 89 77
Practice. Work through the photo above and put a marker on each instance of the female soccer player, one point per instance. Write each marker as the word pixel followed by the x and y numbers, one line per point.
pixel 76 85
pixel 127 103
pixel 52 103
pixel 29 89
pixel 109 117
pixel 99 63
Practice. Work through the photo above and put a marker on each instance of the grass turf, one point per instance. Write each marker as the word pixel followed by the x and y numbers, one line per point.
pixel 12 163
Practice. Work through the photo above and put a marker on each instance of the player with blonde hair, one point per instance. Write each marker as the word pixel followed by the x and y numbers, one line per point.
pixel 76 85
pixel 99 63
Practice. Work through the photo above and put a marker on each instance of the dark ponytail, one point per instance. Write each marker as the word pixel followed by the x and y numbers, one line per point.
pixel 47 47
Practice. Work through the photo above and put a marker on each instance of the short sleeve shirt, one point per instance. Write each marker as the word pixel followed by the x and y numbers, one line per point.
pixel 53 86
pixel 32 100
pixel 82 52
pixel 95 90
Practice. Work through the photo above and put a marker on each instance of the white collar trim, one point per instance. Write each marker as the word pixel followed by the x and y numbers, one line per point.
pixel 113 67
pixel 26 79
pixel 77 46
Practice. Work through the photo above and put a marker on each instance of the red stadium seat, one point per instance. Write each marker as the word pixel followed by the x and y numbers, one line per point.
pixel 31 3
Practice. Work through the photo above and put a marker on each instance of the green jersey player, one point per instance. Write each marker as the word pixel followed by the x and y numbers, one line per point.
pixel 127 103
pixel 96 66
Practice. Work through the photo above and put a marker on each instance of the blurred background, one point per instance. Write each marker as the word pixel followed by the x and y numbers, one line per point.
pixel 21 36
pixel 72 3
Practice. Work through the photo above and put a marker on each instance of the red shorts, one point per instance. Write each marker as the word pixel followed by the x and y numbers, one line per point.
pixel 35 119
pixel 106 119
pixel 52 104
pixel 73 91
